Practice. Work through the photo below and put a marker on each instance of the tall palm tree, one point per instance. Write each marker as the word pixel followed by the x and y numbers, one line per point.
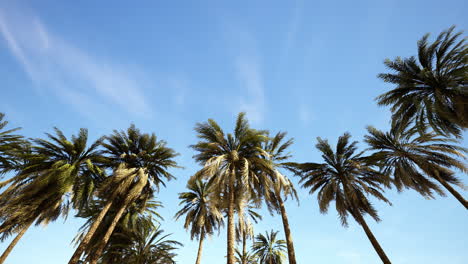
pixel 414 160
pixel 269 249
pixel 140 164
pixel 9 144
pixel 232 163
pixel 283 187
pixel 202 215
pixel 347 178
pixel 432 88
pixel 40 191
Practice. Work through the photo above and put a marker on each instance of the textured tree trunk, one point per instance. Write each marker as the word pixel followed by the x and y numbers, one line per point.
pixel 200 248
pixel 84 243
pixel 372 239
pixel 102 244
pixel 132 195
pixel 287 231
pixel 244 246
pixel 231 235
pixel 452 191
pixel 14 242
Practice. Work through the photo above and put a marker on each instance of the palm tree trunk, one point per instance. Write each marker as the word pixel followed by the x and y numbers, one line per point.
pixel 131 196
pixel 14 242
pixel 456 194
pixel 372 238
pixel 84 243
pixel 287 231
pixel 200 248
pixel 102 244
pixel 231 236
pixel 244 246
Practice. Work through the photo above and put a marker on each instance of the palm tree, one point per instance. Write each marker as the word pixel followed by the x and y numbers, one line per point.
pixel 282 187
pixel 144 245
pixel 139 163
pixel 247 216
pixel 143 211
pixel 39 192
pixel 431 89
pixel 347 178
pixel 245 257
pixel 232 163
pixel 202 215
pixel 9 143
pixel 269 249
pixel 414 160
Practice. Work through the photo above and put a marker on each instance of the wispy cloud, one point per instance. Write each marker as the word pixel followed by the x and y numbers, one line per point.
pixel 178 85
pixel 350 257
pixel 249 73
pixel 305 115
pixel 71 73
pixel 294 26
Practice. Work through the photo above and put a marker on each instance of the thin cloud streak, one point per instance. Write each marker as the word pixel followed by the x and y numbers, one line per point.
pixel 53 63
pixel 250 76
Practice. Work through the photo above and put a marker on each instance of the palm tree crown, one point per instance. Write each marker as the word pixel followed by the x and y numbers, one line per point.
pixel 9 143
pixel 269 249
pixel 202 215
pixel 346 178
pixel 432 88
pixel 414 159
pixel 55 170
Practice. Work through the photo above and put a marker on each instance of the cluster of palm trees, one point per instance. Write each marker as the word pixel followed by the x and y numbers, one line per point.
pixel 112 182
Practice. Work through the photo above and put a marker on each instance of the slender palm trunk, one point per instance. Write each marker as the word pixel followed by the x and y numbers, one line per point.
pixel 456 194
pixel 132 195
pixel 372 238
pixel 287 231
pixel 84 243
pixel 102 244
pixel 244 246
pixel 200 248
pixel 14 242
pixel 231 236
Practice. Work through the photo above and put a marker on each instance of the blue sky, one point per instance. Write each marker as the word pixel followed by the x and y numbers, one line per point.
pixel 305 67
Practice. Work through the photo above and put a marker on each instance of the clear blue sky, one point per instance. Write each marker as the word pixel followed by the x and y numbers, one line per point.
pixel 306 67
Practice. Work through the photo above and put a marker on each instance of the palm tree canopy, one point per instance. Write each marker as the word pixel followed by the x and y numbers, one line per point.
pixel 269 249
pixel 277 147
pixel 247 258
pixel 432 88
pixel 239 155
pixel 345 177
pixel 53 171
pixel 246 217
pixel 412 159
pixel 9 144
pixel 145 244
pixel 138 150
pixel 202 215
